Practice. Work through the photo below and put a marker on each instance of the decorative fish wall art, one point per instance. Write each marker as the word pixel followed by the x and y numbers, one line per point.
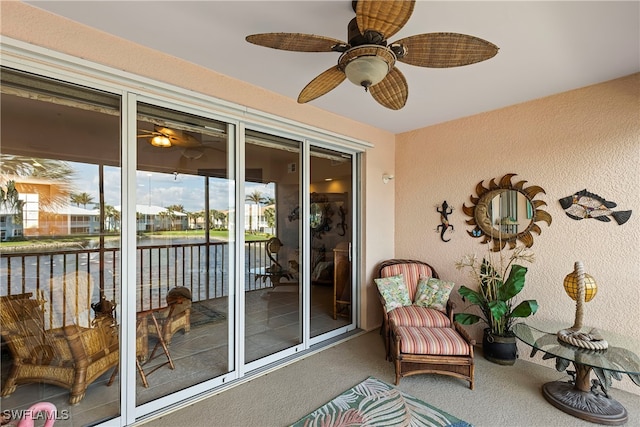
pixel 583 205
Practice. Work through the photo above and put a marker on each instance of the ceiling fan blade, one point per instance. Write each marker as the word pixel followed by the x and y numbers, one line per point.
pixel 385 17
pixel 147 135
pixel 322 84
pixel 445 50
pixel 392 92
pixel 295 42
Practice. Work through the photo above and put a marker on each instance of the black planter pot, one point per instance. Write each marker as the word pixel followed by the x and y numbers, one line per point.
pixel 499 349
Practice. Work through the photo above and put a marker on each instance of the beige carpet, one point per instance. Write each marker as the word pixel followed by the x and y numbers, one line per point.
pixel 503 395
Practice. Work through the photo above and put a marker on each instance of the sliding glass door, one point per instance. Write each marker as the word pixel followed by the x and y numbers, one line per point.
pixel 273 295
pixel 331 215
pixel 120 224
pixel 185 250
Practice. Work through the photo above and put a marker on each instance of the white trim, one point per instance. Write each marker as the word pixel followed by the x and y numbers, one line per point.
pixel 240 300
pixel 305 223
pixel 128 265
pixel 18 54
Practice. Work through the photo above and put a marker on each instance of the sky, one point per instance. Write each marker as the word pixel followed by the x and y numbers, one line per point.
pixel 159 189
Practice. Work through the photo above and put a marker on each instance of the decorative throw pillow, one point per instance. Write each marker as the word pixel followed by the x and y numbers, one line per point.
pixel 433 293
pixel 394 291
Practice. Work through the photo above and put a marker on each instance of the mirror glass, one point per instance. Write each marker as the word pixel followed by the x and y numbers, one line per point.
pixel 505 212
pixel 320 212
pixel 509 212
pixel 316 213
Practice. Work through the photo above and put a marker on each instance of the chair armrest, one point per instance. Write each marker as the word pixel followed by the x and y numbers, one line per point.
pixel 88 344
pixel 381 298
pixel 464 334
pixel 383 304
pixel 450 310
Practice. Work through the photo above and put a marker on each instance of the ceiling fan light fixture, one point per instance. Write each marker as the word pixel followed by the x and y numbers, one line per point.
pixel 160 141
pixel 367 65
pixel 366 71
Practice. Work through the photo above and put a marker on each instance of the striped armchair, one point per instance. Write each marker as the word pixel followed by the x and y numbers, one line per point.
pixel 420 339
pixel 410 315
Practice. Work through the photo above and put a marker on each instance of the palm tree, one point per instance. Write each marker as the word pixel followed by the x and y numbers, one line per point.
pixel 217 218
pixel 171 213
pixel 257 198
pixel 175 208
pixel 112 218
pixel 163 218
pixel 270 217
pixel 193 216
pixel 82 199
pixel 10 201
pixel 57 173
pixel 269 201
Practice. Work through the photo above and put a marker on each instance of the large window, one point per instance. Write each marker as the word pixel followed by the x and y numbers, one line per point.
pixel 185 257
pixel 152 251
pixel 60 275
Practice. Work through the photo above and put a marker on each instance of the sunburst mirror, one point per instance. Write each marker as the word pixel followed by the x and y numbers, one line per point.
pixel 505 212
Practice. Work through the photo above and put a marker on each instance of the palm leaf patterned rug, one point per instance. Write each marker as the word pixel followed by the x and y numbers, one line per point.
pixel 376 403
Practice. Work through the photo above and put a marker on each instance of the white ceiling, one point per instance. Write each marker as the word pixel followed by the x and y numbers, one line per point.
pixel 546 47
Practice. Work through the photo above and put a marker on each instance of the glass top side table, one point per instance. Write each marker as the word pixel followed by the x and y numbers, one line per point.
pixel 582 397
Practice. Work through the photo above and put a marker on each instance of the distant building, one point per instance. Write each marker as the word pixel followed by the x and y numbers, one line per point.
pixel 255 218
pixel 63 221
pixel 71 220
pixel 10 224
pixel 157 218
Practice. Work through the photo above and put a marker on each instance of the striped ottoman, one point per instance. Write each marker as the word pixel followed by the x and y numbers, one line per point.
pixel 419 350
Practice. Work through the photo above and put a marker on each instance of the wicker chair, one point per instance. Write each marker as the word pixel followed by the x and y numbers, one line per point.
pixel 176 316
pixel 70 356
pixel 421 340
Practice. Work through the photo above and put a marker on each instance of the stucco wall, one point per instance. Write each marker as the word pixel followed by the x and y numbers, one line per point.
pixel 29 24
pixel 583 139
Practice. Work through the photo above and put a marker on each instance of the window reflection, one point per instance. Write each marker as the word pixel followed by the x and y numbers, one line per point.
pixel 58 246
pixel 184 201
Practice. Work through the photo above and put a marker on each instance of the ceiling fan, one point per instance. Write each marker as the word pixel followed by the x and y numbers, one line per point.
pixel 165 137
pixel 192 146
pixel 368 60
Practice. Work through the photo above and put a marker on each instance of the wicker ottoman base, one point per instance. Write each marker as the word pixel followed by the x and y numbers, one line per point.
pixel 445 351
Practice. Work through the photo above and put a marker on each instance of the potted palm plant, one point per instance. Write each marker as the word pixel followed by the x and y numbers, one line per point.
pixel 496 299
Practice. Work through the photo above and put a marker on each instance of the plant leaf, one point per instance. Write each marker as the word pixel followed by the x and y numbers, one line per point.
pixel 498 309
pixel 472 296
pixel 525 308
pixel 561 364
pixel 514 283
pixel 466 318
pixel 635 378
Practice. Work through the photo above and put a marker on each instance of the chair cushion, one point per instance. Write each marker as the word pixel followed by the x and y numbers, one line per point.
pixel 433 293
pixel 419 316
pixel 411 273
pixel 436 341
pixel 394 292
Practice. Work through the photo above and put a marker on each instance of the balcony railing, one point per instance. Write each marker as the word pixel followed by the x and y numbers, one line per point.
pixel 201 267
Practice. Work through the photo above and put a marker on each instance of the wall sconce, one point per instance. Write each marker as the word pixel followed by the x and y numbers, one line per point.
pixel 386 178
